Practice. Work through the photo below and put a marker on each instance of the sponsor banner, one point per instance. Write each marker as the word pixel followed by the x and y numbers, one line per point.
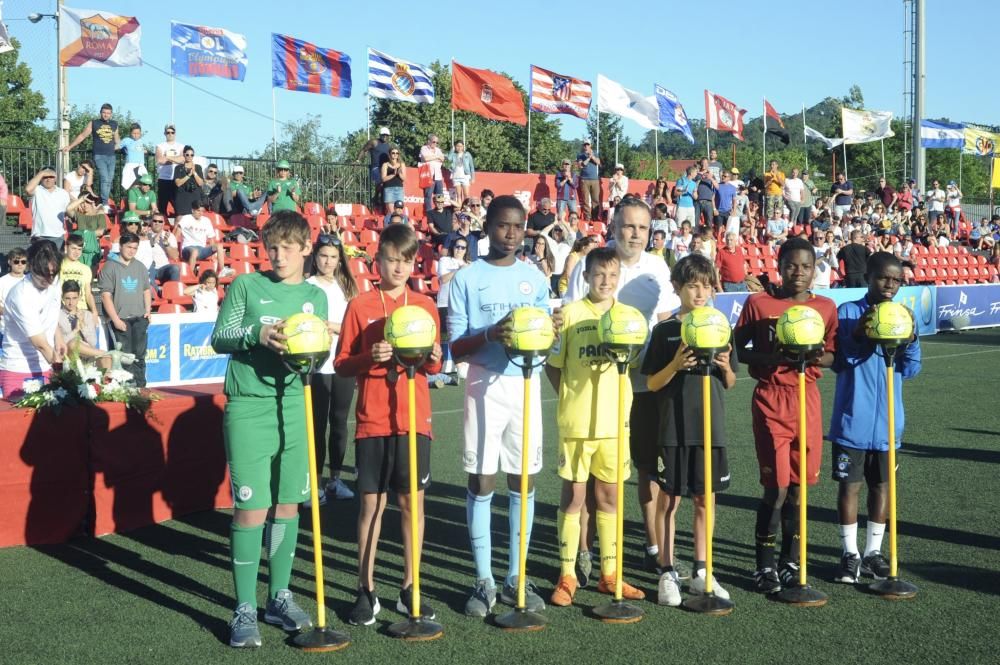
pixel 198 360
pixel 158 353
pixel 969 306
pixel 179 351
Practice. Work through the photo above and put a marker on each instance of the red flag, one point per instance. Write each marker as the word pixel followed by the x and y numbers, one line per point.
pixel 769 111
pixel 486 93
pixel 722 115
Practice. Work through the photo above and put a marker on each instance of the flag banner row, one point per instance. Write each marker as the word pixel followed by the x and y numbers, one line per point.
pixel 865 126
pixel 398 80
pixel 556 93
pixel 723 115
pixel 937 134
pixel 198 50
pixel 829 143
pixel 979 141
pixel 299 65
pixel 612 97
pixel 92 38
pixel 5 44
pixel 672 116
pixel 486 93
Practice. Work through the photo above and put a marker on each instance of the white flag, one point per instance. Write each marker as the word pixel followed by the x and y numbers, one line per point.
pixel 866 126
pixel 829 143
pixel 5 44
pixel 612 97
pixel 92 38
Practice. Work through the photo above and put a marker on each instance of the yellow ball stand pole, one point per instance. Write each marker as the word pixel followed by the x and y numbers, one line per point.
pixel 708 602
pixel 801 594
pixel 415 628
pixel 320 638
pixel 617 610
pixel 892 588
pixel 520 619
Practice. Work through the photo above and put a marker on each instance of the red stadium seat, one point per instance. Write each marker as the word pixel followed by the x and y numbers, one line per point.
pixel 312 208
pixel 368 236
pixel 418 284
pixel 187 277
pixel 170 308
pixel 173 292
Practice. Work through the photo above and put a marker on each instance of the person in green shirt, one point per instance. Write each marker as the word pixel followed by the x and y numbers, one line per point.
pixel 141 199
pixel 91 224
pixel 283 192
pixel 242 198
pixel 264 425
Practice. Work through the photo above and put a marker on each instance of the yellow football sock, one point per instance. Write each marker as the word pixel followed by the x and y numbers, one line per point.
pixel 606 536
pixel 569 541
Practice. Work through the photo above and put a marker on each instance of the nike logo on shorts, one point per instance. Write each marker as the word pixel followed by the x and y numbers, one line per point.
pixel 243 563
pixel 724 478
pixel 423 481
pixel 265 302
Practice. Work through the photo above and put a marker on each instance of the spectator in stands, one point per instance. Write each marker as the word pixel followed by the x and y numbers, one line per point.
pixel 284 192
pixel 197 237
pixel 567 184
pixel 104 131
pixel 714 165
pixel 661 193
pixel 32 342
pixel 685 190
pixel 706 190
pixel 936 198
pixel 463 170
pixel 853 259
pixel 538 221
pixel 777 228
pixel 164 249
pixel 842 192
pixel 905 198
pixel 485 198
pixel 477 213
pixel 77 324
pixel 135 156
pixel 589 166
pixel 72 268
pixel 618 183
pixel 127 300
pixel 393 179
pixel 332 393
pixel 774 188
pixel 378 154
pixel 245 201
pixel 725 195
pixel 213 187
pixel 451 261
pixel 48 207
pixel 441 220
pixel 681 244
pixel 808 199
pixel 824 262
pixel 130 223
pixel 205 293
pixel 730 265
pixel 397 215
pixel 903 248
pixel 465 233
pixel 188 180
pixel 89 221
pixel 792 192
pixel 432 157
pixel 918 229
pixel 169 155
pixel 560 243
pixel 79 180
pixel 886 194
pixel 661 220
pixel 581 247
pixel 953 205
pixel 658 246
pixel 17 264
pixel 541 257
pixel 572 224
pixel 141 199
pixel 944 235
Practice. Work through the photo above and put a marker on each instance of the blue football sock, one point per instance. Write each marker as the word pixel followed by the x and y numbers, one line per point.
pixel 477 516
pixel 514 519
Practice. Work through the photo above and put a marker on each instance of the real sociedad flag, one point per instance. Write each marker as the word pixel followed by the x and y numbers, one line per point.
pixel 672 116
pixel 934 134
pixel 398 80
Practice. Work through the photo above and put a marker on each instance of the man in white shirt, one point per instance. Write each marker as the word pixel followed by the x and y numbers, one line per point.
pixel 432 155
pixel 935 200
pixel 793 196
pixel 197 238
pixel 48 207
pixel 164 245
pixel 169 154
pixel 645 285
pixel 32 342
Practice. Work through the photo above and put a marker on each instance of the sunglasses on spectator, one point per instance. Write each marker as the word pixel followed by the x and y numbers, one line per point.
pixel 19 262
pixel 461 246
pixel 156 220
pixel 394 152
pixel 326 239
pixel 212 171
pixel 170 131
pixel 476 205
pixel 189 154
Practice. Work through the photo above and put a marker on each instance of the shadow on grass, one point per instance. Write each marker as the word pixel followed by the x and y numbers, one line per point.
pixel 979 580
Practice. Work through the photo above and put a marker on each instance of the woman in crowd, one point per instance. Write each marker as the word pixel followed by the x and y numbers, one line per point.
pixel 581 247
pixel 451 261
pixel 205 293
pixel 661 193
pixel 332 394
pixel 393 179
pixel 542 257
pixel 463 171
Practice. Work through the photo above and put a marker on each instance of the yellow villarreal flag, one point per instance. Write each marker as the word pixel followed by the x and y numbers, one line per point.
pixel 995 183
pixel 980 141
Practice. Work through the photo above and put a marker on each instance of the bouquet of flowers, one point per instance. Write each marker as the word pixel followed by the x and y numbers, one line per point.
pixel 78 383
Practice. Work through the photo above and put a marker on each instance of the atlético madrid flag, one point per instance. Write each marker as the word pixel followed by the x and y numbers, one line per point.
pixel 92 38
pixel 486 93
pixel 722 115
pixel 299 65
pixel 556 93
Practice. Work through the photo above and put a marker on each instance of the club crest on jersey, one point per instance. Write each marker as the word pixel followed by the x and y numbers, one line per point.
pixel 469 458
pixel 524 288
pixel 244 493
pixel 308 308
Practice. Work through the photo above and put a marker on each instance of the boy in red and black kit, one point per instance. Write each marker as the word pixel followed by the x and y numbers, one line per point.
pixel 382 436
pixel 775 410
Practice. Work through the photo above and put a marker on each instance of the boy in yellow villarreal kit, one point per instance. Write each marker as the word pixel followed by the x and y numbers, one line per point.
pixel 586 380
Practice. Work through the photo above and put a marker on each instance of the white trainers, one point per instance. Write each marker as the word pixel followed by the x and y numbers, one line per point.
pixel 339 490
pixel 226 272
pixel 307 504
pixel 668 591
pixel 697 586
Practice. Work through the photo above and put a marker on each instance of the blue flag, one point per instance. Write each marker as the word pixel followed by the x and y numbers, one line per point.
pixel 672 116
pixel 299 65
pixel 935 134
pixel 198 50
pixel 399 80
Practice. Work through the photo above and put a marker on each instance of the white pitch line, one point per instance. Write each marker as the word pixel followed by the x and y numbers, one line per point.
pixel 956 355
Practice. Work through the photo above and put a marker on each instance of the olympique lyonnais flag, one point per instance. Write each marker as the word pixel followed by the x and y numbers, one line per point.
pixel 486 93
pixel 398 80
pixel 980 141
pixel 613 97
pixel 555 93
pixel 769 112
pixel 672 115
pixel 935 134
pixel 197 50
pixel 866 126
pixel 299 65
pixel 92 38
pixel 722 115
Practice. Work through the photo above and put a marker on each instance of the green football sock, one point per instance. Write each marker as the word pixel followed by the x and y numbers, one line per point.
pixel 244 548
pixel 282 536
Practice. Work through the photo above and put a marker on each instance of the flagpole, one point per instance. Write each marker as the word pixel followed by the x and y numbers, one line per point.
pixel 656 143
pixel 882 145
pixel 368 117
pixel 805 139
pixel 172 79
pixel 844 146
pixel 529 140
pixel 463 136
pixel 274 123
pixel 616 148
pixel 961 152
pixel 763 163
pixel 453 126
pixel 708 145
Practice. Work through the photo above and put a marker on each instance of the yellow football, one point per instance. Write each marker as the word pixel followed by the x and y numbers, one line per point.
pixel 410 330
pixel 307 335
pixel 800 326
pixel 623 326
pixel 706 328
pixel 891 322
pixel 532 330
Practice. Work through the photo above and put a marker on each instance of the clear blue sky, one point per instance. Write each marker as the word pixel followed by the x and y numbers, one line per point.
pixel 797 52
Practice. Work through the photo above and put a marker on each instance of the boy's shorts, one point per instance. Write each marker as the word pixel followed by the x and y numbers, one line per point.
pixel 383 463
pixel 644 432
pixel 581 458
pixel 684 470
pixel 494 415
pixel 775 412
pixel 203 252
pixel 265 440
pixel 852 465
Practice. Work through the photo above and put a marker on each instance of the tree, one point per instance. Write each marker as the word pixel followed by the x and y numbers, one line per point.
pixel 22 109
pixel 302 142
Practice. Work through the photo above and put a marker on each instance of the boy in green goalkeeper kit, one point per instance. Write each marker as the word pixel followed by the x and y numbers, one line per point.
pixel 264 424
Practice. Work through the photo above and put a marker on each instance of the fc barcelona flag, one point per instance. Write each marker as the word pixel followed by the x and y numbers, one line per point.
pixel 299 65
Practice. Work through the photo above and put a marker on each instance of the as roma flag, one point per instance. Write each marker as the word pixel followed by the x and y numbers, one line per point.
pixel 486 93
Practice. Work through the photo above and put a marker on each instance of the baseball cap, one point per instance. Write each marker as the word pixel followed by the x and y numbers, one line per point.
pixel 951 183
pixel 586 141
pixel 238 169
pixel 169 126
pixel 734 171
pixel 130 217
pixel 399 204
pixel 619 166
pixel 283 164
pixel 384 131
pixel 146 180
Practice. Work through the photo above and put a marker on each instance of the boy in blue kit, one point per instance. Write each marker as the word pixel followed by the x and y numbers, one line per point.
pixel 481 299
pixel 859 427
